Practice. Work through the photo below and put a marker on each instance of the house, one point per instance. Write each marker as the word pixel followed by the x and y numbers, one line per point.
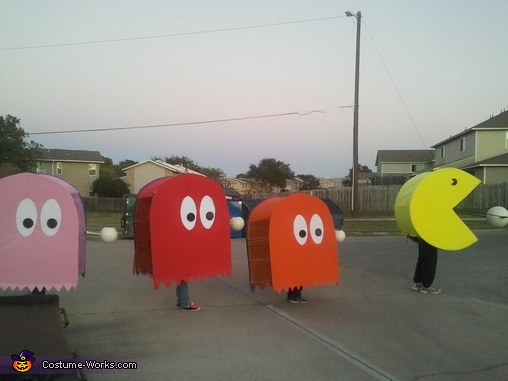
pixel 293 185
pixel 242 185
pixel 481 150
pixel 140 174
pixel 395 166
pixel 78 167
pixel 330 183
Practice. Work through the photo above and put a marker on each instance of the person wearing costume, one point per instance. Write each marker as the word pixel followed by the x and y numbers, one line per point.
pixel 425 270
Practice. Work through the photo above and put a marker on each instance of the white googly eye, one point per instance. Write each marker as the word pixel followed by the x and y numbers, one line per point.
pixel 188 213
pixel 300 229
pixel 51 217
pixel 207 212
pixel 316 229
pixel 26 217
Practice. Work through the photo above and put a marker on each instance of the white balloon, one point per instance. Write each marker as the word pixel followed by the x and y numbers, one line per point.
pixel 340 236
pixel 237 223
pixel 497 216
pixel 109 235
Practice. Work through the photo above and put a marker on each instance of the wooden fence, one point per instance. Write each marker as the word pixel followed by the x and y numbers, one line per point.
pixel 381 198
pixel 374 198
pixel 103 204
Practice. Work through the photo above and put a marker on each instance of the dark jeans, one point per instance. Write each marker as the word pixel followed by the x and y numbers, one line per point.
pixel 426 265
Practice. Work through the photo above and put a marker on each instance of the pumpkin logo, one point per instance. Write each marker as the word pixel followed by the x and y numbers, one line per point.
pixel 23 362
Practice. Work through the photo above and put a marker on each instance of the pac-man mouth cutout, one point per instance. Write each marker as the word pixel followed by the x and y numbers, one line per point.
pixel 424 208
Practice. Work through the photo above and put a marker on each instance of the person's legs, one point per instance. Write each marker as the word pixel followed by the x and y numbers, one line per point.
pixel 428 267
pixel 428 263
pixel 182 294
pixel 295 295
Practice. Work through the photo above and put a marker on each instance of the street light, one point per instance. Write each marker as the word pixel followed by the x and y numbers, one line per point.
pixel 355 198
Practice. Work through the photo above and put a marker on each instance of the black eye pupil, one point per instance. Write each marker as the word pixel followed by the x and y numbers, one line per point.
pixel 52 223
pixel 28 223
pixel 191 217
pixel 302 233
pixel 319 232
pixel 209 216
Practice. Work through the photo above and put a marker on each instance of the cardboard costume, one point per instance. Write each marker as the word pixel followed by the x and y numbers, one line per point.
pixel 181 230
pixel 291 243
pixel 42 244
pixel 424 208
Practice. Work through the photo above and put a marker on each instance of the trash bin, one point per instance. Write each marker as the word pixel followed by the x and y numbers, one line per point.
pixel 127 221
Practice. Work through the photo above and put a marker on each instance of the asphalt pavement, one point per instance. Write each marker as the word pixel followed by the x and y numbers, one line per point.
pixel 371 326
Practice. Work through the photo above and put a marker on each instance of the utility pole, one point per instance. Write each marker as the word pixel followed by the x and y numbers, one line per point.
pixel 355 201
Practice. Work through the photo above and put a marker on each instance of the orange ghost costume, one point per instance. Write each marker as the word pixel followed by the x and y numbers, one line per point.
pixel 291 243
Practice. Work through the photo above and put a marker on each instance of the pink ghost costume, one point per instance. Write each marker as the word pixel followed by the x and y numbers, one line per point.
pixel 42 244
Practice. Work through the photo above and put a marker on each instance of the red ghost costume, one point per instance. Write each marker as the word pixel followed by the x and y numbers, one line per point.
pixel 181 230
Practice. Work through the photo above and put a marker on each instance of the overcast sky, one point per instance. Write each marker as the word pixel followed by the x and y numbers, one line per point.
pixel 428 70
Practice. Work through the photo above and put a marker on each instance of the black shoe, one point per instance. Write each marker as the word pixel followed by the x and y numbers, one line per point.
pixel 299 300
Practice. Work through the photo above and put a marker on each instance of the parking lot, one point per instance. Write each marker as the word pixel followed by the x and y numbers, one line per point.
pixel 369 327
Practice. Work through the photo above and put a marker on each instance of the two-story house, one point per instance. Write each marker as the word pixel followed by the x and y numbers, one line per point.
pixel 481 150
pixel 396 166
pixel 78 167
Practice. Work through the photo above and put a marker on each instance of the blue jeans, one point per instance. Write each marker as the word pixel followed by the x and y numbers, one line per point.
pixel 182 294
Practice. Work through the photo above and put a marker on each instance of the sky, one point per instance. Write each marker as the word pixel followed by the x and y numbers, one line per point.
pixel 232 82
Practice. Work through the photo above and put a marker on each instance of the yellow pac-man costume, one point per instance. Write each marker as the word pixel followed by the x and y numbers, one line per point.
pixel 424 208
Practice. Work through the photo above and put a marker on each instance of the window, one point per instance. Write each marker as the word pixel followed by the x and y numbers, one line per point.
pixel 90 191
pixel 463 144
pixel 416 167
pixel 506 139
pixel 40 168
pixel 59 168
pixel 92 169
pixel 442 152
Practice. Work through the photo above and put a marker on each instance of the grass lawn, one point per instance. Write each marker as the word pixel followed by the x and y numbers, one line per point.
pixel 95 221
pixel 364 226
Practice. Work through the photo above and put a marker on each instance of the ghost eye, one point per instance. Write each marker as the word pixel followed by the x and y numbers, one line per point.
pixel 26 217
pixel 51 217
pixel 188 213
pixel 316 229
pixel 300 229
pixel 207 212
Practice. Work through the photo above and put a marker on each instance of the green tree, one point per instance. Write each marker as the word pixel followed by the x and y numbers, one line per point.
pixel 118 168
pixel 13 147
pixel 106 186
pixel 309 182
pixel 184 161
pixel 271 173
pixel 215 174
pixel 361 169
pixel 109 184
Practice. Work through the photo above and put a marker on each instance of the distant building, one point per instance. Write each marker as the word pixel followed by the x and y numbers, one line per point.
pixel 140 174
pixel 481 150
pixel 330 183
pixel 78 167
pixel 396 166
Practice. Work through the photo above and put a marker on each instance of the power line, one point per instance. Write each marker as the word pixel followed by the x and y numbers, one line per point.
pixel 169 35
pixel 187 123
pixel 395 85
